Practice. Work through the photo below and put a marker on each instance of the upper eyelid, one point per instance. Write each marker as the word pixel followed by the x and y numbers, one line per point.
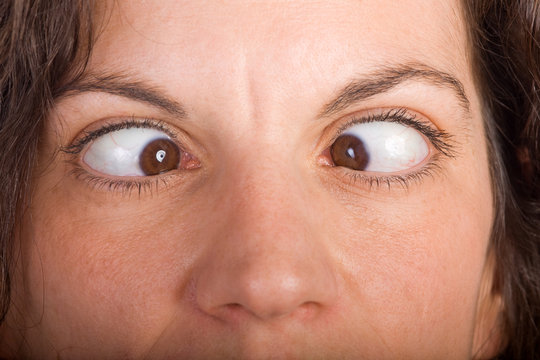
pixel 81 141
pixel 442 141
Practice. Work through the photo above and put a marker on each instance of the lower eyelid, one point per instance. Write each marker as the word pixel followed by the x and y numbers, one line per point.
pixel 127 185
pixel 187 162
pixel 371 180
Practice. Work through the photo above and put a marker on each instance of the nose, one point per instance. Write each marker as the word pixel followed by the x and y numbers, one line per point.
pixel 268 259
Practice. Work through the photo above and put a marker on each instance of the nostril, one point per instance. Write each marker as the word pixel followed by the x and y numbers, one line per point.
pixel 235 309
pixel 237 312
pixel 308 310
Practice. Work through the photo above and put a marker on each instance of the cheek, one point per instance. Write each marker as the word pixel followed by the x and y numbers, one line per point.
pixel 414 265
pixel 96 272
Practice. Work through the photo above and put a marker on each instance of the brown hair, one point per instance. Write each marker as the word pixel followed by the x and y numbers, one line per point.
pixel 505 36
pixel 39 43
pixel 43 44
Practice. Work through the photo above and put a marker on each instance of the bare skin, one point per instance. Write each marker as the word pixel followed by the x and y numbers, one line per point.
pixel 259 245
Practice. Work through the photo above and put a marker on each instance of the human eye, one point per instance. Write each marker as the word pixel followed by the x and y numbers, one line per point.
pixel 387 147
pixel 133 152
pixel 127 153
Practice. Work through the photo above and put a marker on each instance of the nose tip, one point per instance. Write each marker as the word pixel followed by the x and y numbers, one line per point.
pixel 274 293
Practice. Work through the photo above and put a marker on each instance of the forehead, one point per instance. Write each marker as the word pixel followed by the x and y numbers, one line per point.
pixel 278 36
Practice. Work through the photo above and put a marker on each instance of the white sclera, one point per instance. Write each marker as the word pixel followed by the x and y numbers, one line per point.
pixel 117 153
pixel 391 147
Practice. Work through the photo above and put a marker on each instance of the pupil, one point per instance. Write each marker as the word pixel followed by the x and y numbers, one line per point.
pixel 349 151
pixel 159 156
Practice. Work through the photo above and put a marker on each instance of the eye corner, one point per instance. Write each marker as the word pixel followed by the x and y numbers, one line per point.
pixel 190 161
pixel 325 158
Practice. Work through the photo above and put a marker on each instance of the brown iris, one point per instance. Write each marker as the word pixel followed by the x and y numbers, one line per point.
pixel 159 156
pixel 349 151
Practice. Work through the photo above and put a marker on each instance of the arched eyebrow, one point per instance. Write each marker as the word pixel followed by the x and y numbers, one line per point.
pixel 358 89
pixel 387 78
pixel 125 86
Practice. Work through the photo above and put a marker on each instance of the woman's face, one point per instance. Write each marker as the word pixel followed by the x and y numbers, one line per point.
pixel 271 179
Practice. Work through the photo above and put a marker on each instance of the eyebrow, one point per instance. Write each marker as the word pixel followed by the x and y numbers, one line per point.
pixel 124 86
pixel 359 89
pixel 387 78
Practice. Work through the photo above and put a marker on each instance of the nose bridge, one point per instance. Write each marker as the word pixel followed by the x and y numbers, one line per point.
pixel 270 189
pixel 268 258
pixel 271 207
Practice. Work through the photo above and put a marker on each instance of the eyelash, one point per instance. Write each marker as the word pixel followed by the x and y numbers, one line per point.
pixel 440 139
pixel 126 186
pixel 77 147
pixel 115 185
